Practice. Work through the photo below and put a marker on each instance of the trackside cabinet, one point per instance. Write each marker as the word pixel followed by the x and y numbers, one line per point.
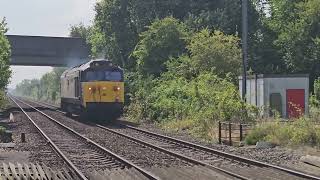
pixel 286 94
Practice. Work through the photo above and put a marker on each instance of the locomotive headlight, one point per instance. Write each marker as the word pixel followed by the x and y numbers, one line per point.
pixel 116 88
pixel 90 88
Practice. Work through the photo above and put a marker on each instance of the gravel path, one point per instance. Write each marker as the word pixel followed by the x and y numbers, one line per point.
pixel 162 164
pixel 143 156
pixel 83 155
pixel 140 155
pixel 36 147
pixel 238 167
pixel 93 132
pixel 277 155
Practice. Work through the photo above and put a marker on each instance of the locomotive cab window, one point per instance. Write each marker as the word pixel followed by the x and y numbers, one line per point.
pixel 103 76
pixel 113 76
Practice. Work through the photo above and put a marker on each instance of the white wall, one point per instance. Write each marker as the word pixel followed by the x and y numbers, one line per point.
pixel 267 86
pixel 280 85
pixel 251 95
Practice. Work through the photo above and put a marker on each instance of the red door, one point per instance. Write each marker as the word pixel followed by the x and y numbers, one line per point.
pixel 295 103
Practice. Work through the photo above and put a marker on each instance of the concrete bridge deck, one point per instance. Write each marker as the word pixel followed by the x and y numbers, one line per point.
pixel 47 51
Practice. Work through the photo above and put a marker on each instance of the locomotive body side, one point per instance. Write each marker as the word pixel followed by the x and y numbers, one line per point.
pixel 70 91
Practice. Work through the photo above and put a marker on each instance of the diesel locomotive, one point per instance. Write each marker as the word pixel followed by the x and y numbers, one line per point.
pixel 94 89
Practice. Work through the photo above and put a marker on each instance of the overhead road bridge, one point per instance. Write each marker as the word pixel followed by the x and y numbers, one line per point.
pixel 47 51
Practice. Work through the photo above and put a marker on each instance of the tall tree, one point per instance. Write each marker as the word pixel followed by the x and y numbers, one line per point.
pixel 264 56
pixel 46 89
pixel 118 23
pixel 297 25
pixel 164 39
pixel 4 56
pixel 114 37
pixel 215 50
pixel 82 31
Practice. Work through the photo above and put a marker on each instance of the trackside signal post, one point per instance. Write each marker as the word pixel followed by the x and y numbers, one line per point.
pixel 244 46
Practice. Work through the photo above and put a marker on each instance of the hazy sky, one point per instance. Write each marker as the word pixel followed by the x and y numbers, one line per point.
pixel 45 18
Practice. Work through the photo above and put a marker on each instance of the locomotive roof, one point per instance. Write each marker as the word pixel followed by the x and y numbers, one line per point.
pixel 84 66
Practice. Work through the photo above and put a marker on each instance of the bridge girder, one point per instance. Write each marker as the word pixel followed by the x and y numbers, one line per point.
pixel 47 51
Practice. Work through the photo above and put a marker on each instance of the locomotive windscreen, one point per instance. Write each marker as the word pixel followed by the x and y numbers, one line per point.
pixel 103 76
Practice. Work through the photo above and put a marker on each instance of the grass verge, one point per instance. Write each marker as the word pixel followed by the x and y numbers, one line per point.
pixel 205 132
pixel 2 129
pixel 4 102
pixel 299 132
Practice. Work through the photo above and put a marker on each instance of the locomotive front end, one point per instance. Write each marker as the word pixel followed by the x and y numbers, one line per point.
pixel 103 89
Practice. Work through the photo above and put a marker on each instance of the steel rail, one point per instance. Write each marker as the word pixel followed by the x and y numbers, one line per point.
pixel 44 104
pixel 121 159
pixel 53 145
pixel 221 153
pixel 188 159
pixel 227 155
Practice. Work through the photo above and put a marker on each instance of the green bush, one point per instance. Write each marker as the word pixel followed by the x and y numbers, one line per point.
pixel 302 131
pixel 259 133
pixel 174 101
pixel 47 88
pixel 314 99
pixel 3 100
pixel 196 90
pixel 5 54
pixel 164 39
pixel 215 50
pixel 2 129
pixel 4 63
pixel 138 90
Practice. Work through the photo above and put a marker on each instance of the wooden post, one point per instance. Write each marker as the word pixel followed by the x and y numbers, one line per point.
pixel 240 132
pixel 219 126
pixel 23 137
pixel 230 140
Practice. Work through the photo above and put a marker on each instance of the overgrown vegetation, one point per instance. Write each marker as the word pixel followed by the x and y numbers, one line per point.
pixel 2 129
pixel 4 102
pixel 164 39
pixel 295 132
pixel 196 87
pixel 302 131
pixel 45 89
pixel 182 57
pixel 4 62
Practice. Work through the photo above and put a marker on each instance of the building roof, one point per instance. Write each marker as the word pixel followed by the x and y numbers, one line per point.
pixel 261 76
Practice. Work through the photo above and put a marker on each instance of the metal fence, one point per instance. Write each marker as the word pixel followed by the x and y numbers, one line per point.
pixel 232 132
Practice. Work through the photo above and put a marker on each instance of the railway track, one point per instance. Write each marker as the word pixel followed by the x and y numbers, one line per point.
pixel 80 153
pixel 177 163
pixel 168 167
pixel 243 167
pixel 236 166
